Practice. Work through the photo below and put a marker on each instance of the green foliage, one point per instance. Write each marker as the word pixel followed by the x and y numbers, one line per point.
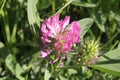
pixel 2 3
pixel 110 62
pixel 14 66
pixel 84 4
pixel 20 22
pixel 101 10
pixel 47 75
pixel 100 20
pixel 33 15
pixel 85 25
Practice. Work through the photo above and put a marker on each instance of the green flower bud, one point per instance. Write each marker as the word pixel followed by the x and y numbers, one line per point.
pixel 89 53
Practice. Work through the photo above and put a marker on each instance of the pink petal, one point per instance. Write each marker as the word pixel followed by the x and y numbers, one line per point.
pixel 45 53
pixel 53 24
pixel 45 39
pixel 43 29
pixel 65 22
pixel 75 26
pixel 55 18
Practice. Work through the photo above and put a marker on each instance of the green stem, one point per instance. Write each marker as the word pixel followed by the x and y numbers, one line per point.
pixel 13 36
pixel 110 40
pixel 33 30
pixel 100 34
pixel 60 10
pixel 52 68
pixel 4 1
pixel 114 45
pixel 91 33
pixel 6 25
pixel 28 69
pixel 53 7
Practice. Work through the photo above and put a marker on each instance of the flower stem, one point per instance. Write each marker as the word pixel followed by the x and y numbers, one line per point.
pixel 60 10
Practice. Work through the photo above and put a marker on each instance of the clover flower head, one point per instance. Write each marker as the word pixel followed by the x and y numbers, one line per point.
pixel 90 52
pixel 59 36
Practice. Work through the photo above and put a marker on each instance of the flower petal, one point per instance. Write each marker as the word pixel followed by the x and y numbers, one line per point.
pixel 65 22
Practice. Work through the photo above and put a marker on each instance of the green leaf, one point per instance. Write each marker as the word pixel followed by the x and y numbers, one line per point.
pixel 14 67
pixel 33 16
pixel 62 78
pixel 1 45
pixel 118 45
pixel 85 25
pixel 110 62
pixel 3 51
pixel 114 15
pixel 72 71
pixel 6 78
pixel 83 4
pixel 2 4
pixel 99 20
pixel 47 75
pixel 6 25
pixel 11 62
pixel 42 4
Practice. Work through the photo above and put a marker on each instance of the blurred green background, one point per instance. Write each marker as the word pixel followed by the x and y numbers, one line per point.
pixel 20 22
